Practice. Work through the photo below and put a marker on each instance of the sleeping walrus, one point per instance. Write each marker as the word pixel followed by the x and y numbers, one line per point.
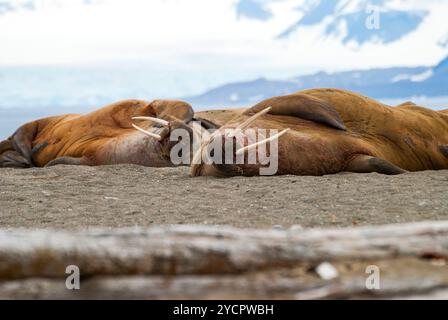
pixel 132 131
pixel 326 131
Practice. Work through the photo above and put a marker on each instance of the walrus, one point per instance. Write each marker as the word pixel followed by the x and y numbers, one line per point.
pixel 130 131
pixel 328 131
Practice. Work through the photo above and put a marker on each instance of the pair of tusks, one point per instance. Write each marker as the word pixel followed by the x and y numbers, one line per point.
pixel 240 128
pixel 151 134
pixel 246 124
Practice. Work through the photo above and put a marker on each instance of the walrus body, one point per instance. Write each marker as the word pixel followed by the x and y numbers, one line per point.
pixel 105 136
pixel 334 131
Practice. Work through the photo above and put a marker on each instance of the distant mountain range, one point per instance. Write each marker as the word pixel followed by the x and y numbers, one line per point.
pixel 390 83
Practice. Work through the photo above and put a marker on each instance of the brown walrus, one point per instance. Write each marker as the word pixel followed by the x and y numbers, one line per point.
pixel 332 131
pixel 105 136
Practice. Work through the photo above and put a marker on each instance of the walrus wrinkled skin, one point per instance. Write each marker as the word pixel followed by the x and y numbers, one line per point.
pixel 103 137
pixel 334 131
pixel 214 119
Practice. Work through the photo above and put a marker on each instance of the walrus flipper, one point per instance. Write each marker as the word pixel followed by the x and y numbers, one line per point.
pixel 11 156
pixel 67 161
pixel 6 145
pixel 39 147
pixel 368 164
pixel 22 141
pixel 302 106
pixel 12 159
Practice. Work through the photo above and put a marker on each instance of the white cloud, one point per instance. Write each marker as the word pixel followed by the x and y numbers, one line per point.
pixel 202 35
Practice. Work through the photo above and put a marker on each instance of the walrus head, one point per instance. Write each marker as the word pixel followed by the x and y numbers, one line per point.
pixel 129 131
pixel 171 116
pixel 286 115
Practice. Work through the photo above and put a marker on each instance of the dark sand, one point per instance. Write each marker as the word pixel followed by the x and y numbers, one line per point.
pixel 120 196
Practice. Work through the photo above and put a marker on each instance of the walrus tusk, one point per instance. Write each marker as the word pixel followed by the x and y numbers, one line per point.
pixel 253 146
pixel 153 135
pixel 198 133
pixel 156 120
pixel 249 121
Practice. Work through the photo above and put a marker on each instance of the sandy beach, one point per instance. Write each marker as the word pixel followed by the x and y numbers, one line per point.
pixel 71 197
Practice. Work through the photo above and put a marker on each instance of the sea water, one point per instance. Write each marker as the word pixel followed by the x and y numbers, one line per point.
pixel 30 92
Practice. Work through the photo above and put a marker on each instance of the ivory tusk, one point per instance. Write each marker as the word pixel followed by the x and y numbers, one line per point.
pixel 153 135
pixel 200 134
pixel 156 120
pixel 254 145
pixel 249 121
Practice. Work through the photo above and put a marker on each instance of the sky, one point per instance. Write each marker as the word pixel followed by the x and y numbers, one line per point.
pixel 59 56
pixel 213 36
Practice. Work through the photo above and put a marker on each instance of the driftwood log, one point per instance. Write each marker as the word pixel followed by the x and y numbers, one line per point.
pixel 203 262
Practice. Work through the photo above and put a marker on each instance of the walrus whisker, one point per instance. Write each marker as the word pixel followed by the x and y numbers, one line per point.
pixel 156 120
pixel 249 121
pixel 254 145
pixel 153 135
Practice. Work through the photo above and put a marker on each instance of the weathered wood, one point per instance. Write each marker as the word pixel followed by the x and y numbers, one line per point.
pixel 402 278
pixel 224 262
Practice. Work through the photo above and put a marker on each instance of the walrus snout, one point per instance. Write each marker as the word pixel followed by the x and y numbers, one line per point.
pixel 226 154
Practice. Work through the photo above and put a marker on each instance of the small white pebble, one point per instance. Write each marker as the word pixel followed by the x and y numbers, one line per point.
pixel 327 271
pixel 296 227
pixel 278 227
pixel 111 198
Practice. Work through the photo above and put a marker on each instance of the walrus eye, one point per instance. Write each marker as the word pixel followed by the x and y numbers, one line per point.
pixel 254 145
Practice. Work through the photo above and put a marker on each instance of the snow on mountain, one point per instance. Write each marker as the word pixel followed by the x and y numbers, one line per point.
pixel 350 17
pixel 253 9
pixel 444 41
pixel 442 67
pixel 390 83
pixel 346 15
pixel 10 6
